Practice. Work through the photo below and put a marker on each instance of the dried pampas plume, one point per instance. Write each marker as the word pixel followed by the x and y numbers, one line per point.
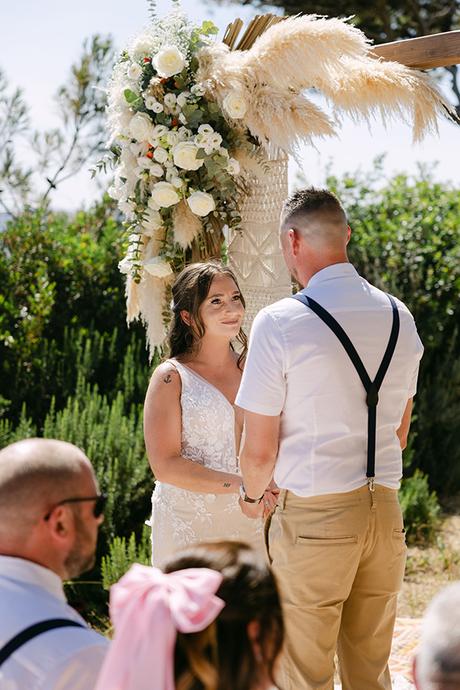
pixel 152 296
pixel 329 55
pixel 187 225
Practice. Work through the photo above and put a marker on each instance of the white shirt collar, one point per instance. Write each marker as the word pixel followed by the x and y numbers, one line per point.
pixel 32 574
pixel 342 270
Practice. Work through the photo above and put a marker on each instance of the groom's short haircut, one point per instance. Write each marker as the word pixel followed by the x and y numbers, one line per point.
pixel 438 657
pixel 314 211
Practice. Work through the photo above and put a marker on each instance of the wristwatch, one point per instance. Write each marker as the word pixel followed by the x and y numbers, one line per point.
pixel 247 499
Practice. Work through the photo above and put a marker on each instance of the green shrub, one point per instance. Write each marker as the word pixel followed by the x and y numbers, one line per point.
pixel 122 554
pixel 420 508
pixel 62 307
pixel 111 434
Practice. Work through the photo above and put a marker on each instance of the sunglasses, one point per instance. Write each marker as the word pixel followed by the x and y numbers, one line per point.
pixel 98 509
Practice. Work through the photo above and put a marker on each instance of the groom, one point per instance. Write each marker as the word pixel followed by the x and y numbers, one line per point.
pixel 327 393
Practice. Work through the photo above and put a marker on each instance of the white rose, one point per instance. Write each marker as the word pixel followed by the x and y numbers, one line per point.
pixel 157 267
pixel 234 105
pixel 168 61
pixel 201 203
pixel 184 133
pixel 127 207
pixel 134 71
pixel 205 129
pixel 197 90
pixel 160 154
pixel 147 164
pixel 157 107
pixel 150 102
pixel 156 170
pixel 140 127
pixel 170 100
pixel 215 140
pixel 172 138
pixel 142 47
pixel 233 167
pixel 164 194
pixel 171 172
pixel 177 182
pixel 184 155
pixel 151 203
pixel 159 131
pixel 182 98
pixel 125 265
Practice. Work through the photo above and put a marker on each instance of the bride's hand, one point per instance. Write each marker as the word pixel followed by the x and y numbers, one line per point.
pixel 269 501
pixel 252 510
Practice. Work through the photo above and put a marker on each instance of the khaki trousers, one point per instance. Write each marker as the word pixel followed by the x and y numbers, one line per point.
pixel 339 561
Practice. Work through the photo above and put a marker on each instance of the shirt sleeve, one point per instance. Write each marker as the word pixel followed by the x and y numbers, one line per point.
pixel 263 386
pixel 414 378
pixel 80 670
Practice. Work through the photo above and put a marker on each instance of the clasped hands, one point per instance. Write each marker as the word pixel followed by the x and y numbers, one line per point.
pixel 265 506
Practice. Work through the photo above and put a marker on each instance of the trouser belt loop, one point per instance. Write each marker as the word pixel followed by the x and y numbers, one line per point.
pixel 282 498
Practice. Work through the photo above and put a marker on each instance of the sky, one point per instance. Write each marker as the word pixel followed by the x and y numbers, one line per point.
pixel 40 39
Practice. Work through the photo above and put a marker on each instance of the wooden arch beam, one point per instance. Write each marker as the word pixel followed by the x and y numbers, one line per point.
pixel 426 52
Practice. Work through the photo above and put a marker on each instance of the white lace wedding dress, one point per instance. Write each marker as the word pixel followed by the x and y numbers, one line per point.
pixel 181 517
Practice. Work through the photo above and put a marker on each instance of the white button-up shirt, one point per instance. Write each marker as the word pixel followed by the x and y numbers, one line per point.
pixel 62 659
pixel 297 368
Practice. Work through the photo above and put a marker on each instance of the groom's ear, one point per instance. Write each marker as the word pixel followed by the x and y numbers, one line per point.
pixel 185 316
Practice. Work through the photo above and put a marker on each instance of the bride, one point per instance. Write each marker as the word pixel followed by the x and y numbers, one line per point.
pixel 192 429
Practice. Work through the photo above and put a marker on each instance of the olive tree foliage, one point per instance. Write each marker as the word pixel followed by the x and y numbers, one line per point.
pixel 34 163
pixel 383 21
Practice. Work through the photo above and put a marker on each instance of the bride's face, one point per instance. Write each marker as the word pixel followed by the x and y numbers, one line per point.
pixel 222 310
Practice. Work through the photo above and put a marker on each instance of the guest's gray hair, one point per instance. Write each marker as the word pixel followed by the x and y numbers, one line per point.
pixel 438 657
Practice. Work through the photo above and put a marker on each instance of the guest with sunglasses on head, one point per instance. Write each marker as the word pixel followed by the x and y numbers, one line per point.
pixel 50 512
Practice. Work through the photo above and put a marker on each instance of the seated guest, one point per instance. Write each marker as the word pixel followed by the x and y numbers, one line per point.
pixel 211 621
pixel 50 511
pixel 437 663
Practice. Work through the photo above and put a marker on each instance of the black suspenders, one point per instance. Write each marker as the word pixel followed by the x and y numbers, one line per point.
pixel 33 631
pixel 372 387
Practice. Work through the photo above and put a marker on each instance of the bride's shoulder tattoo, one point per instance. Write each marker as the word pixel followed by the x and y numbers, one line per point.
pixel 167 378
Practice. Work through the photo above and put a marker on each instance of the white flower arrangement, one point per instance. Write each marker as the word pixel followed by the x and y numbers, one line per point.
pixel 182 109
pixel 175 173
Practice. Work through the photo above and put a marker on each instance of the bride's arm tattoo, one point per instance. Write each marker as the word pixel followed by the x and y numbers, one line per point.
pixel 226 485
pixel 167 378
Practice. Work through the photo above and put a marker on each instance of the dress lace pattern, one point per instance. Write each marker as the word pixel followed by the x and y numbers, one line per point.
pixel 181 517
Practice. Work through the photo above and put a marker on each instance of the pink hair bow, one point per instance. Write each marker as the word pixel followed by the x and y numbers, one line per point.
pixel 147 608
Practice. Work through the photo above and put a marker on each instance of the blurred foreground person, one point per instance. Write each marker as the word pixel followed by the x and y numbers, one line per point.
pixel 437 663
pixel 211 621
pixel 50 511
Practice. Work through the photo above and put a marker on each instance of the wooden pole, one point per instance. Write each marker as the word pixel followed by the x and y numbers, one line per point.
pixel 426 52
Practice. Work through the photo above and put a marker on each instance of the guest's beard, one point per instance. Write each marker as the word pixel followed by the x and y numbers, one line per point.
pixel 82 557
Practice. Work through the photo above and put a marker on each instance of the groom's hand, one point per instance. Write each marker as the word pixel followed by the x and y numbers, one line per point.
pixel 252 510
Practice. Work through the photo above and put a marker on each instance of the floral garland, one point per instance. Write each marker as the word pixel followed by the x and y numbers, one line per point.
pixel 176 180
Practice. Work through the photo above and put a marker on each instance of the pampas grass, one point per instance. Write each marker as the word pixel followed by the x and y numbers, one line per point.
pixel 151 293
pixel 327 54
pixel 187 225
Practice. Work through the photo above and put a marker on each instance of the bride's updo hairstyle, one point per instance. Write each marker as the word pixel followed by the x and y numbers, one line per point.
pixel 189 291
pixel 225 655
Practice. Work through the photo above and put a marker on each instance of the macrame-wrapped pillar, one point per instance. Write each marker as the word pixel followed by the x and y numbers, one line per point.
pixel 254 253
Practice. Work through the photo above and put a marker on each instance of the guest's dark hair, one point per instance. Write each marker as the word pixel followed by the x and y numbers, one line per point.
pixel 222 657
pixel 189 291
pixel 309 201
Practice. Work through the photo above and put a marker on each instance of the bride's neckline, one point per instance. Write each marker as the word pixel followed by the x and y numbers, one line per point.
pixel 202 378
